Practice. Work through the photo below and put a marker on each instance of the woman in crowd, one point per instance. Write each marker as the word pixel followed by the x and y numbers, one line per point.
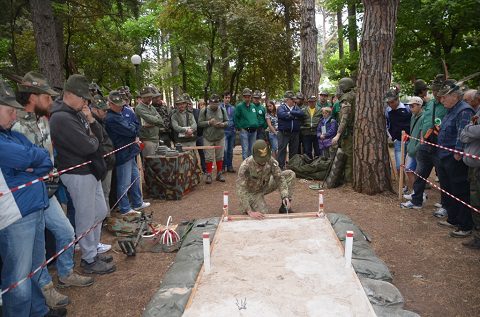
pixel 326 130
pixel 272 122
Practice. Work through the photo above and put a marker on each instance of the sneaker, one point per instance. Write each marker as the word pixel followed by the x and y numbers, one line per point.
pixel 409 205
pixel 76 280
pixel 460 233
pixel 473 244
pixel 220 178
pixel 405 190
pixel 208 178
pixel 231 170
pixel 438 205
pixel 53 298
pixel 143 206
pixel 57 312
pixel 445 223
pixel 409 196
pixel 107 258
pixel 97 267
pixel 102 248
pixel 132 212
pixel 440 212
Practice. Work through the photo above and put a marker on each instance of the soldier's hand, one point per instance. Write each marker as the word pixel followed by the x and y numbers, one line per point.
pixel 335 139
pixel 256 215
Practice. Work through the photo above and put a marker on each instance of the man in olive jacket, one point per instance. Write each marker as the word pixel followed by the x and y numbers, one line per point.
pixel 313 115
pixel 150 121
pixel 214 120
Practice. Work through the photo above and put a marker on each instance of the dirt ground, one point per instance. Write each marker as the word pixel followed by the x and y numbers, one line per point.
pixel 435 273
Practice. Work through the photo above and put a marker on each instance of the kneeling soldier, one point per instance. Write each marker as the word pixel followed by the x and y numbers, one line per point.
pixel 260 175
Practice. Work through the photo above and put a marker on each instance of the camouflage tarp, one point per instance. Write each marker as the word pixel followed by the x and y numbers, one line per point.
pixel 171 177
pixel 307 168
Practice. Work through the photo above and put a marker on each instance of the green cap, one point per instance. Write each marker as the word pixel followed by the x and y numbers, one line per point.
pixel 246 92
pixel 300 96
pixel 99 102
pixel 289 95
pixel 147 92
pixel 257 94
pixel 7 96
pixel 78 85
pixel 179 100
pixel 419 85
pixel 214 99
pixel 261 152
pixel 36 83
pixel 115 97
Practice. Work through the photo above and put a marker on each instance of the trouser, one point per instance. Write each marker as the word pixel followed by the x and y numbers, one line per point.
pixel 427 158
pixel 228 152
pixel 201 142
pixel 62 230
pixel 128 173
pixel 474 174
pixel 90 208
pixel 453 177
pixel 397 152
pixel 260 134
pixel 106 185
pixel 257 202
pixel 287 138
pixel 310 142
pixel 150 148
pixel 347 148
pixel 246 140
pixel 22 249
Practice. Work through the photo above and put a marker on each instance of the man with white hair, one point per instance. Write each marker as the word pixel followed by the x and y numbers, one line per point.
pixel 472 97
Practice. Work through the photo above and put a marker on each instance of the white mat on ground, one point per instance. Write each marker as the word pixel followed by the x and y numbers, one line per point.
pixel 281 267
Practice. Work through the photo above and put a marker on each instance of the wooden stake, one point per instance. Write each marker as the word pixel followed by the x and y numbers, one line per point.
pixel 140 170
pixel 402 166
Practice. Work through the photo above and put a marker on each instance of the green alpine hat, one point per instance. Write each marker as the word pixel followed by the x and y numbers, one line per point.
pixel 115 97
pixel 214 99
pixel 78 85
pixel 289 95
pixel 186 98
pixel 449 86
pixel 261 152
pixel 36 83
pixel 147 92
pixel 7 96
pixel 257 94
pixel 312 98
pixel 99 102
pixel 299 96
pixel 391 95
pixel 179 100
pixel 437 82
pixel 246 92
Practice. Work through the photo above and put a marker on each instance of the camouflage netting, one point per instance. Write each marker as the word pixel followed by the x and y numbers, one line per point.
pixel 171 177
pixel 172 297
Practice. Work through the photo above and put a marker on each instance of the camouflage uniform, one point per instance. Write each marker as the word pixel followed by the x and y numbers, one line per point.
pixel 36 130
pixel 165 132
pixel 345 130
pixel 255 181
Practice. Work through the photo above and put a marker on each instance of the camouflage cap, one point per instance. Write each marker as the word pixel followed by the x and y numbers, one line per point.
pixel 312 98
pixel 214 99
pixel 147 92
pixel 449 86
pixel 99 102
pixel 78 85
pixel 261 152
pixel 289 95
pixel 115 97
pixel 391 95
pixel 246 92
pixel 437 82
pixel 7 96
pixel 257 94
pixel 300 96
pixel 323 93
pixel 36 83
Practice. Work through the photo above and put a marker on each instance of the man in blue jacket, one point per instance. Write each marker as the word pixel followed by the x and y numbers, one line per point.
pixel 22 242
pixel 290 118
pixel 123 128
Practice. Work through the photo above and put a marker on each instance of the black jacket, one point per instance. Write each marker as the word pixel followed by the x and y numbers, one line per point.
pixel 106 145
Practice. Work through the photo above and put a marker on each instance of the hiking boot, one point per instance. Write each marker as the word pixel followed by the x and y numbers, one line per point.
pixel 231 170
pixel 57 312
pixel 105 258
pixel 208 178
pixel 409 205
pixel 102 248
pixel 445 223
pixel 460 233
pixel 220 177
pixel 440 212
pixel 473 244
pixel 53 298
pixel 97 267
pixel 282 209
pixel 76 280
pixel 143 206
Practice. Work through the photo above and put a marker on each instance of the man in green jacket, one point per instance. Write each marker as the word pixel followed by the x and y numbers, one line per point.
pixel 313 115
pixel 412 146
pixel 213 119
pixel 150 121
pixel 261 112
pixel 246 120
pixel 323 100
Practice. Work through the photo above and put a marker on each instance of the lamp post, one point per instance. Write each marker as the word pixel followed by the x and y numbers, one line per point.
pixel 136 60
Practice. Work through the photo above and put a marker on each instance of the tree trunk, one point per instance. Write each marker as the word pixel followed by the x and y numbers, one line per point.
pixel 46 42
pixel 308 48
pixel 222 32
pixel 211 59
pixel 174 65
pixel 183 66
pixel 371 169
pixel 289 55
pixel 352 26
pixel 340 37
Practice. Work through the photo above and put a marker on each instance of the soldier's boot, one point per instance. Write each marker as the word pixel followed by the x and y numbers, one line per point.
pixel 220 177
pixel 283 209
pixel 75 279
pixel 53 298
pixel 208 178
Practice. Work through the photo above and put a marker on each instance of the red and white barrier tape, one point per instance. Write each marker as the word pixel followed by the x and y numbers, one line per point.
pixel 442 190
pixel 442 147
pixel 58 173
pixel 56 255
